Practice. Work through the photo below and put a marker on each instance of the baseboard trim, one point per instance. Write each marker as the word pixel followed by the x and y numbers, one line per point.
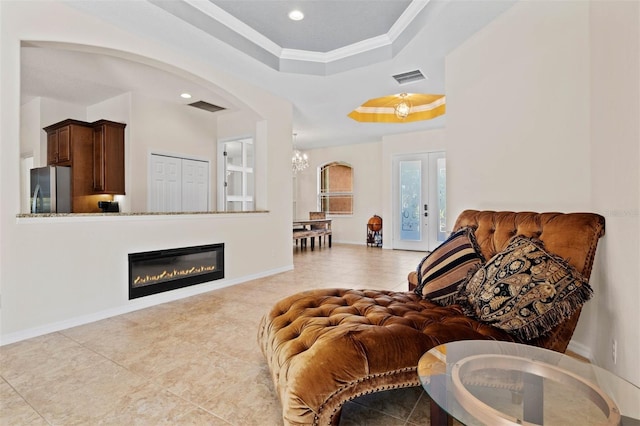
pixel 135 305
pixel 581 350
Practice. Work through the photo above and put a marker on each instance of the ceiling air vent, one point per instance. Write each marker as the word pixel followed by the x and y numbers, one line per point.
pixel 409 77
pixel 206 106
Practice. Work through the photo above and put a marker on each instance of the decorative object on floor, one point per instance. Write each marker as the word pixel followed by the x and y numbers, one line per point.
pixel 400 108
pixel 299 160
pixel 374 231
pixel 327 346
pixel 442 271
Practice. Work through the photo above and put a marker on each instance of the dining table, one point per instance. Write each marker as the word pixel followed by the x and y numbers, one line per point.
pixel 311 228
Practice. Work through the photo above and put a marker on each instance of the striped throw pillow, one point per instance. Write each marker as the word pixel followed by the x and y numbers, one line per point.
pixel 442 271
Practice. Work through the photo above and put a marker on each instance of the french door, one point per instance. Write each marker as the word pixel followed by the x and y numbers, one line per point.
pixel 235 175
pixel 419 192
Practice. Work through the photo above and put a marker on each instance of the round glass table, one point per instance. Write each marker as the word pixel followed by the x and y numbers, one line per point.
pixel 486 382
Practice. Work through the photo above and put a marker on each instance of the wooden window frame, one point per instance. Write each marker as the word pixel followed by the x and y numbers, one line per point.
pixel 342 196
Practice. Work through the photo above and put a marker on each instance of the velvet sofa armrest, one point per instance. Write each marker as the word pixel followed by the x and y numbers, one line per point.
pixel 412 279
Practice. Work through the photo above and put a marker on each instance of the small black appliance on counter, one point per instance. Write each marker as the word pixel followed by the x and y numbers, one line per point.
pixel 109 206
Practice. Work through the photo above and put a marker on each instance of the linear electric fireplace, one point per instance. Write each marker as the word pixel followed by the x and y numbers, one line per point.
pixel 153 272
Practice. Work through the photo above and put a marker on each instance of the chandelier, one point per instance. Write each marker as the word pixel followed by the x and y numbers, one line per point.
pixel 299 161
pixel 403 109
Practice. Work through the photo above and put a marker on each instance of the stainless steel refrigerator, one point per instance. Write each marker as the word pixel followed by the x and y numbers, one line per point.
pixel 51 189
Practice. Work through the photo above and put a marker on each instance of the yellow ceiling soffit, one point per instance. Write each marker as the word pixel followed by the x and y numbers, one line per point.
pixel 382 110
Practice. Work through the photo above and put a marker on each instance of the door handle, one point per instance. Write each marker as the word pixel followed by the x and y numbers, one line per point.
pixel 36 197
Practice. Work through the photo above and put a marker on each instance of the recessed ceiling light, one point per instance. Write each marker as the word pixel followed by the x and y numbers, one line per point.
pixel 296 15
pixel 186 95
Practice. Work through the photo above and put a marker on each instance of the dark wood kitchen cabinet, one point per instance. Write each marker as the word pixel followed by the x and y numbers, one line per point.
pixel 58 146
pixel 66 140
pixel 95 152
pixel 108 157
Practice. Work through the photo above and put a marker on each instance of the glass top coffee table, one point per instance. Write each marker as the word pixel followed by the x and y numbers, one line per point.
pixel 486 382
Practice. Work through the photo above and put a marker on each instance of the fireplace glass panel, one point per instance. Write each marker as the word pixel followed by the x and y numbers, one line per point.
pixel 164 270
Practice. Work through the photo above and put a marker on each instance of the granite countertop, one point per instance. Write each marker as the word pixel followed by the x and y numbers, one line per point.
pixel 43 215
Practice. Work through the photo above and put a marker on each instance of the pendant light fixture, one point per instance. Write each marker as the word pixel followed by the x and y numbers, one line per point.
pixel 299 160
pixel 403 108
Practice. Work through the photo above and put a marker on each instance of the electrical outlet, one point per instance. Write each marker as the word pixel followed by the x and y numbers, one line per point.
pixel 614 351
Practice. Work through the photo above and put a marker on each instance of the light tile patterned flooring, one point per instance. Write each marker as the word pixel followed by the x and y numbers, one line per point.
pixel 195 361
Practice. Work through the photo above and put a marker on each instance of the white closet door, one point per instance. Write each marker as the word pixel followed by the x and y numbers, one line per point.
pixel 195 187
pixel 166 184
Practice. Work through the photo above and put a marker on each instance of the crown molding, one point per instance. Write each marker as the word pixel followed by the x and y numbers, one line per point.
pixel 234 24
pixel 227 28
pixel 407 17
pixel 337 54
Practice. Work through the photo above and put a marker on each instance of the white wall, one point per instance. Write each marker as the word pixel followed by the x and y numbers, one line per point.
pixel 365 159
pixel 36 114
pixel 615 180
pixel 542 114
pixel 116 109
pixel 29 130
pixel 56 273
pixel 372 163
pixel 166 128
pixel 53 111
pixel 518 111
pixel 238 124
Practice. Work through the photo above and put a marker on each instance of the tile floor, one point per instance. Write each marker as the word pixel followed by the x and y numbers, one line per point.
pixel 194 361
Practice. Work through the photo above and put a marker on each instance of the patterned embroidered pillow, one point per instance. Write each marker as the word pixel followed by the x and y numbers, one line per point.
pixel 524 290
pixel 442 271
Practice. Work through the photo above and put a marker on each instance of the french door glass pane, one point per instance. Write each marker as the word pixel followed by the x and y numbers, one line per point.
pixel 238 177
pixel 410 199
pixel 250 186
pixel 234 183
pixel 250 157
pixel 234 206
pixel 234 153
pixel 442 199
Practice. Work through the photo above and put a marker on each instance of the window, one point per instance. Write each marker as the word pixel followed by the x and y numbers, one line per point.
pixel 336 189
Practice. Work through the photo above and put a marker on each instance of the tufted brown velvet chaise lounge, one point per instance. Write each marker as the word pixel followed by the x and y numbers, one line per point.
pixel 325 347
